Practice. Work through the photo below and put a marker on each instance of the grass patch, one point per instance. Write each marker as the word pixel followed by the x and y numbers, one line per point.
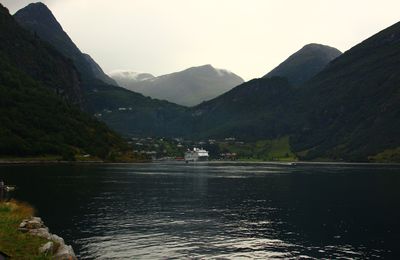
pixel 47 158
pixel 14 243
pixel 264 150
pixel 120 157
pixel 387 156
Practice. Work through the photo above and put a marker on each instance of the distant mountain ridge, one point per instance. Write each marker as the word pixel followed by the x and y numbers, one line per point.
pixel 305 63
pixel 188 87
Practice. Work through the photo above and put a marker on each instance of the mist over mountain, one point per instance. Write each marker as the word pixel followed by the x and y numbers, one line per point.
pixel 188 87
pixel 305 63
pixel 126 77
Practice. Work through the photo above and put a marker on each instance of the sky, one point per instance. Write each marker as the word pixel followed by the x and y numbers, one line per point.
pixel 247 37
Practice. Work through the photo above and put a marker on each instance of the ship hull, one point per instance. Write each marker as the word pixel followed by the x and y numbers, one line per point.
pixel 196 155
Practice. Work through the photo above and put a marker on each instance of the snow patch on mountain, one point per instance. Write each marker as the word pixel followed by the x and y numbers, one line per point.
pixel 130 75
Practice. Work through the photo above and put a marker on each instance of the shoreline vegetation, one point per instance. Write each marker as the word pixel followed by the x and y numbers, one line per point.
pixel 146 150
pixel 23 236
pixel 56 160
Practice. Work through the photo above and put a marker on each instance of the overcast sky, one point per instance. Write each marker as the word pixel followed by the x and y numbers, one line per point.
pixel 248 37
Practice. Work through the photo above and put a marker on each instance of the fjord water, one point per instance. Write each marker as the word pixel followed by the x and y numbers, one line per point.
pixel 217 210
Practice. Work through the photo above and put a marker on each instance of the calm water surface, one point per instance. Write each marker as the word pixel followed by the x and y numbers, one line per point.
pixel 217 210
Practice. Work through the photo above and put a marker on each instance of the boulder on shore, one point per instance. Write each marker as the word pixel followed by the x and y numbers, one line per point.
pixel 55 246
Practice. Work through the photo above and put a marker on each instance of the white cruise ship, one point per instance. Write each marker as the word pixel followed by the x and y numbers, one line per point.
pixel 196 155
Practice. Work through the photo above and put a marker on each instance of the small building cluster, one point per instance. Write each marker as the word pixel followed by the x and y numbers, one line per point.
pixel 175 148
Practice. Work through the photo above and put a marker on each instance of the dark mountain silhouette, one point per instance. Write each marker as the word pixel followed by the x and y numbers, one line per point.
pixel 39 94
pixel 305 63
pixel 39 60
pixel 353 105
pixel 249 111
pixel 37 18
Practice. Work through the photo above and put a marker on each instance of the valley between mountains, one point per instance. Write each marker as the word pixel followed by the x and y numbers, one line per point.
pixel 319 104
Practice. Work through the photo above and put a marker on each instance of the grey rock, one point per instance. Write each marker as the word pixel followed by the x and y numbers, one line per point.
pixel 34 223
pixel 37 219
pixel 65 252
pixel 57 239
pixel 41 232
pixel 47 248
pixel 30 224
pixel 36 227
pixel 22 225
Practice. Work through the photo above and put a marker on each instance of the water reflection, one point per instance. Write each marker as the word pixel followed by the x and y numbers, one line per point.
pixel 217 210
pixel 4 194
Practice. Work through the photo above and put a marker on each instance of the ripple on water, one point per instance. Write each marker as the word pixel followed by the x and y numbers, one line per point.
pixel 218 210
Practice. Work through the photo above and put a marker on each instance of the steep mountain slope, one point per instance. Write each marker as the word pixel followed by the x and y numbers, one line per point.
pixel 125 111
pixel 189 87
pixel 39 60
pixel 97 71
pixel 34 119
pixel 353 106
pixel 305 63
pixel 36 18
pixel 132 114
pixel 250 111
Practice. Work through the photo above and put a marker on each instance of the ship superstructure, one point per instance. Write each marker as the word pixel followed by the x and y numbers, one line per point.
pixel 196 155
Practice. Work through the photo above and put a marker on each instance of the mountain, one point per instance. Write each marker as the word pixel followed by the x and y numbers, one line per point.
pixel 39 60
pixel 250 111
pixel 349 111
pixel 127 112
pixel 37 18
pixel 305 63
pixel 188 87
pixel 97 71
pixel 353 105
pixel 39 91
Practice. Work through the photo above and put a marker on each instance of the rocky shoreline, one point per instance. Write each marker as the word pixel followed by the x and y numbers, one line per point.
pixel 55 247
